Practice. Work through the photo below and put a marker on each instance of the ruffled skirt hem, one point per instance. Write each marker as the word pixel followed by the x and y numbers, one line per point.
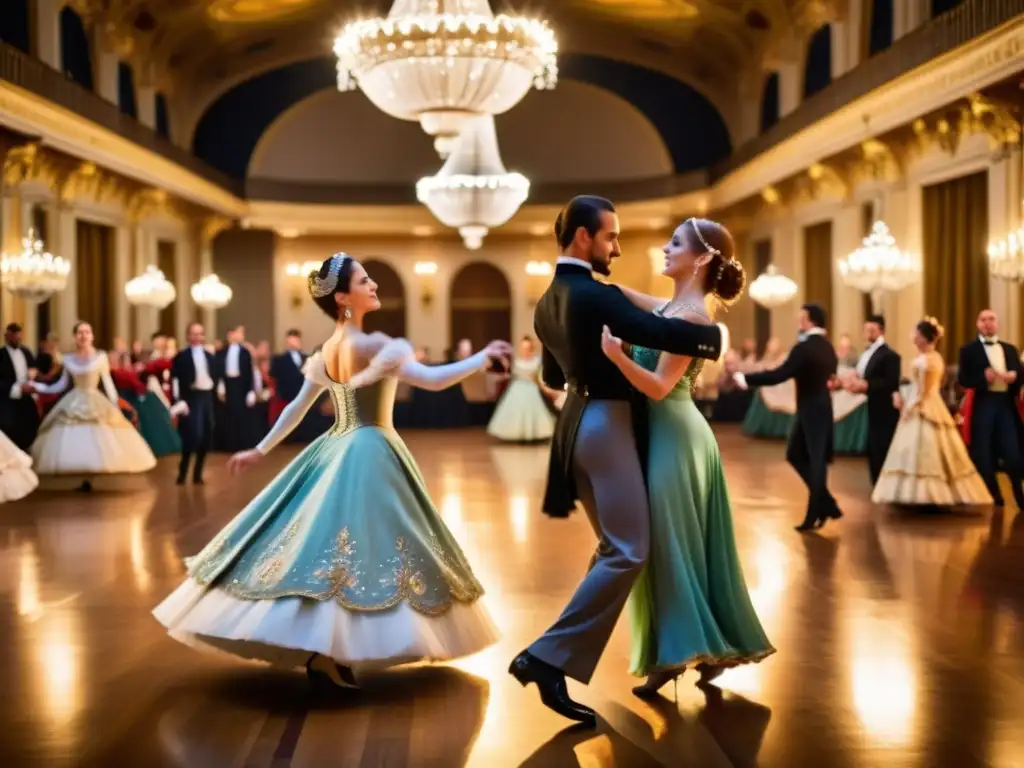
pixel 726 660
pixel 287 631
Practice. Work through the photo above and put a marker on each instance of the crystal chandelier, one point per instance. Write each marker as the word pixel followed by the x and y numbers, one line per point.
pixel 150 289
pixel 473 192
pixel 211 293
pixel 34 274
pixel 878 266
pixel 442 62
pixel 772 289
pixel 1006 257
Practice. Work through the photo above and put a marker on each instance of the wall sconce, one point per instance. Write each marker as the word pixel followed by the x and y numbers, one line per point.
pixel 426 271
pixel 538 276
pixel 298 274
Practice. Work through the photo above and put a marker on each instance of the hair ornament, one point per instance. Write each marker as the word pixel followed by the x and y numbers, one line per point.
pixel 939 330
pixel 325 286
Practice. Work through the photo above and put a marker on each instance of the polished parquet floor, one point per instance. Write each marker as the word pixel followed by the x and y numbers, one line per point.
pixel 900 636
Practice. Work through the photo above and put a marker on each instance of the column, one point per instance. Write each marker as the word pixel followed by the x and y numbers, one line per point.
pixel 146 318
pixel 10 229
pixel 785 257
pixel 25 311
pixel 847 301
pixel 46 28
pixel 751 95
pixel 66 246
pixel 209 316
pixel 182 281
pixel 106 68
pixel 901 210
pixel 122 264
pixel 146 95
pixel 908 15
pixel 791 86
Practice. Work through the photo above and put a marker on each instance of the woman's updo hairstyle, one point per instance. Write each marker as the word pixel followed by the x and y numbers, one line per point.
pixel 724 277
pixel 930 329
pixel 334 276
pixel 76 326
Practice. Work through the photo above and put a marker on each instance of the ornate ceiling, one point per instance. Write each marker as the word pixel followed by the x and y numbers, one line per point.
pixel 708 43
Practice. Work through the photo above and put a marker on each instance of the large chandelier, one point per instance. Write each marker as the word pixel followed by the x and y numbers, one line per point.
pixel 878 266
pixel 1006 257
pixel 150 289
pixel 473 192
pixel 772 289
pixel 211 293
pixel 34 274
pixel 442 62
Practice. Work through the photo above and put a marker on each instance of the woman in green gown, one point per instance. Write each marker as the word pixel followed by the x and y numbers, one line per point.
pixel 690 607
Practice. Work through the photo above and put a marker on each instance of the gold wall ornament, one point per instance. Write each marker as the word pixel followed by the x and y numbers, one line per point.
pixel 150 202
pixel 28 163
pixel 828 180
pixel 211 226
pixel 87 181
pixel 880 160
pixel 1000 121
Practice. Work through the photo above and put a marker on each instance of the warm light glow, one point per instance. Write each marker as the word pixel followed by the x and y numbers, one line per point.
pixel 137 538
pixel 444 63
pixel 657 257
pixel 295 269
pixel 473 192
pixel 57 665
pixel 884 682
pixel 211 293
pixel 425 268
pixel 1006 256
pixel 519 517
pixel 29 604
pixel 539 268
pixel 34 274
pixel 772 289
pixel 878 266
pixel 150 289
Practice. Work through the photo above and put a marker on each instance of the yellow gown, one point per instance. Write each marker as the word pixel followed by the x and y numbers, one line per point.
pixel 928 463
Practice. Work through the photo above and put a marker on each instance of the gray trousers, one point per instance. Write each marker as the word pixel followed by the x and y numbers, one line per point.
pixel 611 486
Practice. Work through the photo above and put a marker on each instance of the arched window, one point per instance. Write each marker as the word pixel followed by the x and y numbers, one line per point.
pixel 942 6
pixel 770 102
pixel 481 305
pixel 879 21
pixel 163 117
pixel 126 89
pixel 75 52
pixel 818 66
pixel 14 24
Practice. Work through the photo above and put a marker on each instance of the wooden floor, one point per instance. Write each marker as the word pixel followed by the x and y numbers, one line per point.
pixel 900 636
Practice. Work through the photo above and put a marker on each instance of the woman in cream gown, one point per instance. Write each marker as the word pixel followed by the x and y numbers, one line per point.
pixel 342 560
pixel 521 415
pixel 928 463
pixel 85 433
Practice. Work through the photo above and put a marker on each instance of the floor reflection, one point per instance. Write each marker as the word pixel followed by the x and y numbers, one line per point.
pixel 900 636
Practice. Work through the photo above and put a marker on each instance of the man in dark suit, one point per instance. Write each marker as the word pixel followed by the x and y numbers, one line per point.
pixel 237 388
pixel 878 377
pixel 594 452
pixel 19 417
pixel 812 364
pixel 286 371
pixel 193 380
pixel 992 368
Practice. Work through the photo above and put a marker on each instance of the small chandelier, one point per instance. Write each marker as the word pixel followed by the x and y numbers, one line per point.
pixel 473 192
pixel 878 266
pixel 211 293
pixel 150 289
pixel 34 274
pixel 442 62
pixel 772 289
pixel 1006 257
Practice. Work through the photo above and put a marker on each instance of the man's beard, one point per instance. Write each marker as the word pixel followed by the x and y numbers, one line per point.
pixel 601 267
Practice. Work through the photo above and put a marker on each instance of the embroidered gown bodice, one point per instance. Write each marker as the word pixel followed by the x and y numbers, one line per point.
pixel 526 368
pixel 649 358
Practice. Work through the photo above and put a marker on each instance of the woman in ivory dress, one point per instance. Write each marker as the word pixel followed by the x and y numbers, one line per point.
pixel 85 433
pixel 928 463
pixel 17 480
pixel 521 415
pixel 342 560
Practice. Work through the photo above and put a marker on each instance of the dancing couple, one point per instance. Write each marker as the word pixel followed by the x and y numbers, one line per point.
pixel 323 570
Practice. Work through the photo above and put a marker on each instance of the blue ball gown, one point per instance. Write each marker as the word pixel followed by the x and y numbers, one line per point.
pixel 690 604
pixel 342 554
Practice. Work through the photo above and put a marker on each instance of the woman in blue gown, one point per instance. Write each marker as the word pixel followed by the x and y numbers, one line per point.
pixel 690 606
pixel 342 560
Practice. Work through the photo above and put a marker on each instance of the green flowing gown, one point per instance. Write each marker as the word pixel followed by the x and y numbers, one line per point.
pixel 691 603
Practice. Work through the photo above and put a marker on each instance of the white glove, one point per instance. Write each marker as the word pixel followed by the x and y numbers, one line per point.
pixel 180 408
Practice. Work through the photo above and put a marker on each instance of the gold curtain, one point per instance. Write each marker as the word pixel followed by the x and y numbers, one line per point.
pixel 94 280
pixel 166 263
pixel 818 265
pixel 954 246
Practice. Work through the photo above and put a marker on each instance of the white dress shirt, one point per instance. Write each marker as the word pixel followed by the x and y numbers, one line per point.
pixel 997 359
pixel 203 381
pixel 296 357
pixel 575 262
pixel 20 370
pixel 231 362
pixel 865 358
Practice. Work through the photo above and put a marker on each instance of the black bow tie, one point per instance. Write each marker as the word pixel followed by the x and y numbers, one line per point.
pixel 989 342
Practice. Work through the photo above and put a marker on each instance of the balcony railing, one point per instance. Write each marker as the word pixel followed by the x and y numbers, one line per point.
pixel 942 34
pixel 35 76
pixel 541 193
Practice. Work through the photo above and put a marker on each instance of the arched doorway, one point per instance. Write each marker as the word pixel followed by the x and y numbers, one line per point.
pixel 481 305
pixel 390 318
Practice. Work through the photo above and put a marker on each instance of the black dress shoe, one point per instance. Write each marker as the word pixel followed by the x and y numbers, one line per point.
pixel 180 481
pixel 808 525
pixel 550 682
